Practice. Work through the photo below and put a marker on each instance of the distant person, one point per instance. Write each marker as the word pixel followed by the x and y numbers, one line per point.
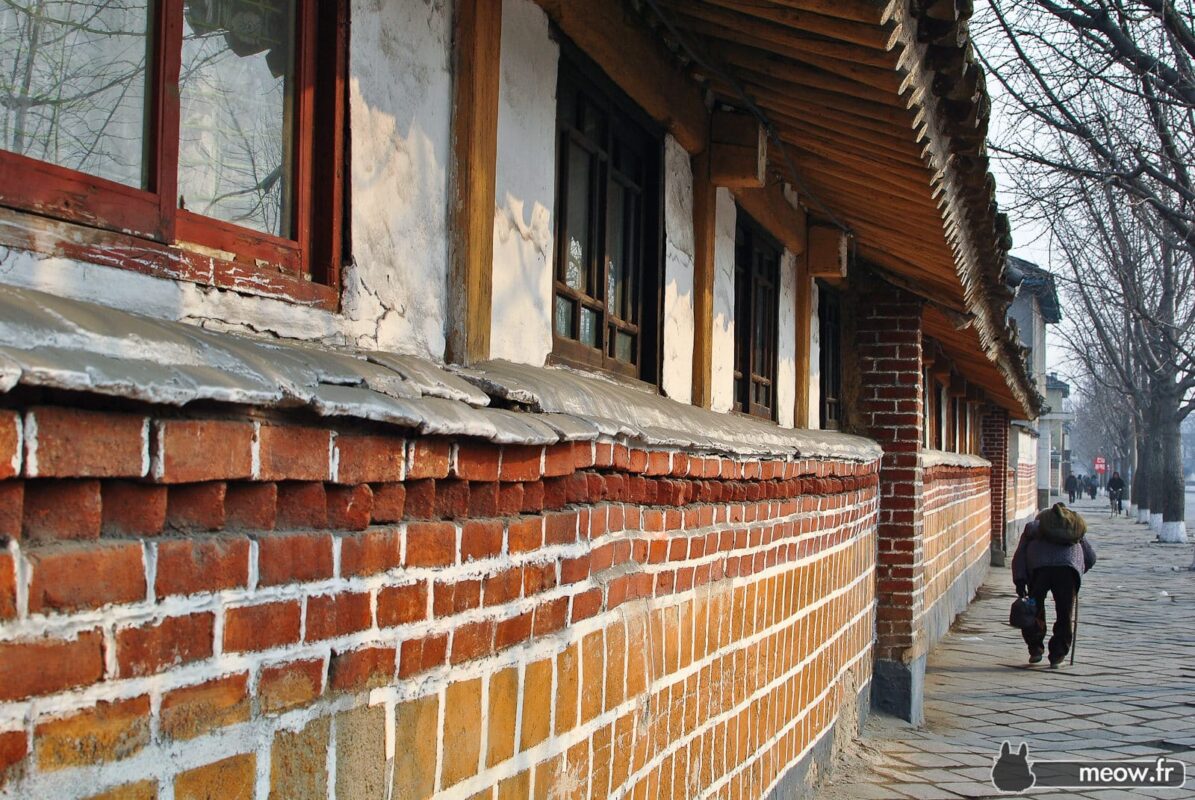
pixel 1093 485
pixel 1072 486
pixel 1051 557
pixel 1116 492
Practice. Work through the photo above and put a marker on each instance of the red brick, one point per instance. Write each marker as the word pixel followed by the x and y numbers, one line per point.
pixel 370 552
pixel 452 499
pixel 538 578
pixel 261 627
pixel 521 463
pixel 358 670
pixel 503 587
pixel 472 640
pixel 61 510
pixel 294 453
pixel 10 453
pixel 560 528
pixel 420 500
pixel 169 643
pixel 510 499
pixel 301 504
pixel 251 506
pixel 550 616
pixel 293 558
pixel 450 598
pixel 332 615
pixel 586 604
pixel 350 507
pixel 198 450
pixel 533 497
pixel 290 685
pixel 525 535
pixel 365 458
pixel 12 508
pixel 8 587
pixel 72 577
pixel 509 632
pixel 481 540
pixel 389 502
pixel 419 655
pixel 398 605
pixel 195 710
pixel 431 544
pixel 574 570
pixel 45 666
pixel 555 492
pixel 429 458
pixel 483 500
pixel 476 461
pixel 132 509
pixel 196 506
pixel 74 443
pixel 559 460
pixel 203 564
pixel 14 747
pixel 583 455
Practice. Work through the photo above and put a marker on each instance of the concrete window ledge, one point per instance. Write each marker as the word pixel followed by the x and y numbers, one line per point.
pixel 941 458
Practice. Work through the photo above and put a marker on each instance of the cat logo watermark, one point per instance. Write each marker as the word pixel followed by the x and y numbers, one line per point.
pixel 1013 772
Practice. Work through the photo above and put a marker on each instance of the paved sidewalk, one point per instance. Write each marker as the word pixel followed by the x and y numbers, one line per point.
pixel 1131 693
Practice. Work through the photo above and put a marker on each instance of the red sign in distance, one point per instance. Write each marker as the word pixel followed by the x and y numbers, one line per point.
pixel 1101 466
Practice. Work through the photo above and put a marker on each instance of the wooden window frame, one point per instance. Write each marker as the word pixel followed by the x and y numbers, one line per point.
pixel 577 73
pixel 143 230
pixel 765 255
pixel 829 328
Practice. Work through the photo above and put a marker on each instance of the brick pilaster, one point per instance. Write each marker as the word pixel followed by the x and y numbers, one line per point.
pixel 994 434
pixel 889 346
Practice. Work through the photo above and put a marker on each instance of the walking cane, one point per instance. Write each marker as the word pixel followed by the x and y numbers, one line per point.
pixel 1075 629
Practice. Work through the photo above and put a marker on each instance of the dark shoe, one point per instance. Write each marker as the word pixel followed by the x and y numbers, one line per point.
pixel 1055 664
pixel 1035 656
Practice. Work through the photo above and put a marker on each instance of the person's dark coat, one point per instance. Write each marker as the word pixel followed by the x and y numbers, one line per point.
pixel 1072 483
pixel 1116 483
pixel 1034 552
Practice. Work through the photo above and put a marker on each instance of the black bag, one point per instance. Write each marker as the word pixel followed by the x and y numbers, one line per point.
pixel 1023 613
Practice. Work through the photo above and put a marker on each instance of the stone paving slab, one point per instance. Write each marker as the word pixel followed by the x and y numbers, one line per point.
pixel 1130 693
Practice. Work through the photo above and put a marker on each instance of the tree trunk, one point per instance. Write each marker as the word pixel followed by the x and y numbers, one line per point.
pixel 1141 474
pixel 1169 481
pixel 1153 441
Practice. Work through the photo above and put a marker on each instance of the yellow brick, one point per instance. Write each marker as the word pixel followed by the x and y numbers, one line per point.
pixel 537 704
pixel 516 787
pixel 234 778
pixel 602 752
pixel 462 734
pixel 615 664
pixel 415 747
pixel 109 731
pixel 361 753
pixel 504 706
pixel 141 790
pixel 566 689
pixel 298 763
pixel 592 671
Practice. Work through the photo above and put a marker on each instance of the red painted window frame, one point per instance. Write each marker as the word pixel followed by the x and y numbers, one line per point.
pixel 139 229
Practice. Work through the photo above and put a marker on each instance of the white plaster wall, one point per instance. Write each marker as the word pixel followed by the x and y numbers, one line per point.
pixel 815 360
pixel 786 346
pixel 393 293
pixel 722 341
pixel 679 249
pixel 521 326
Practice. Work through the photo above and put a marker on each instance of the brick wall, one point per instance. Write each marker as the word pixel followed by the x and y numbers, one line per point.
pixel 889 349
pixel 253 608
pixel 957 525
pixel 994 443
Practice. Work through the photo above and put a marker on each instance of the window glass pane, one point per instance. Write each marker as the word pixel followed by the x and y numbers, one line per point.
pixel 564 317
pixel 73 84
pixel 576 265
pixel 589 326
pixel 235 94
pixel 616 277
pixel 624 347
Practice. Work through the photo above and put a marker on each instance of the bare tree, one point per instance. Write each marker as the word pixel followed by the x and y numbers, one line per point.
pixel 1100 95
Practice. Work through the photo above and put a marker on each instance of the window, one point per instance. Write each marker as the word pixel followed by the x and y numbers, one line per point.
pixel 608 206
pixel 829 323
pixel 182 121
pixel 756 317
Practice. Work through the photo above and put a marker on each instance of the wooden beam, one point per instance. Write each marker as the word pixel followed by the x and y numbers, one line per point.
pixel 638 62
pixel 827 251
pixel 477 37
pixel 876 37
pixel 705 204
pixel 804 317
pixel 738 150
pixel 771 209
